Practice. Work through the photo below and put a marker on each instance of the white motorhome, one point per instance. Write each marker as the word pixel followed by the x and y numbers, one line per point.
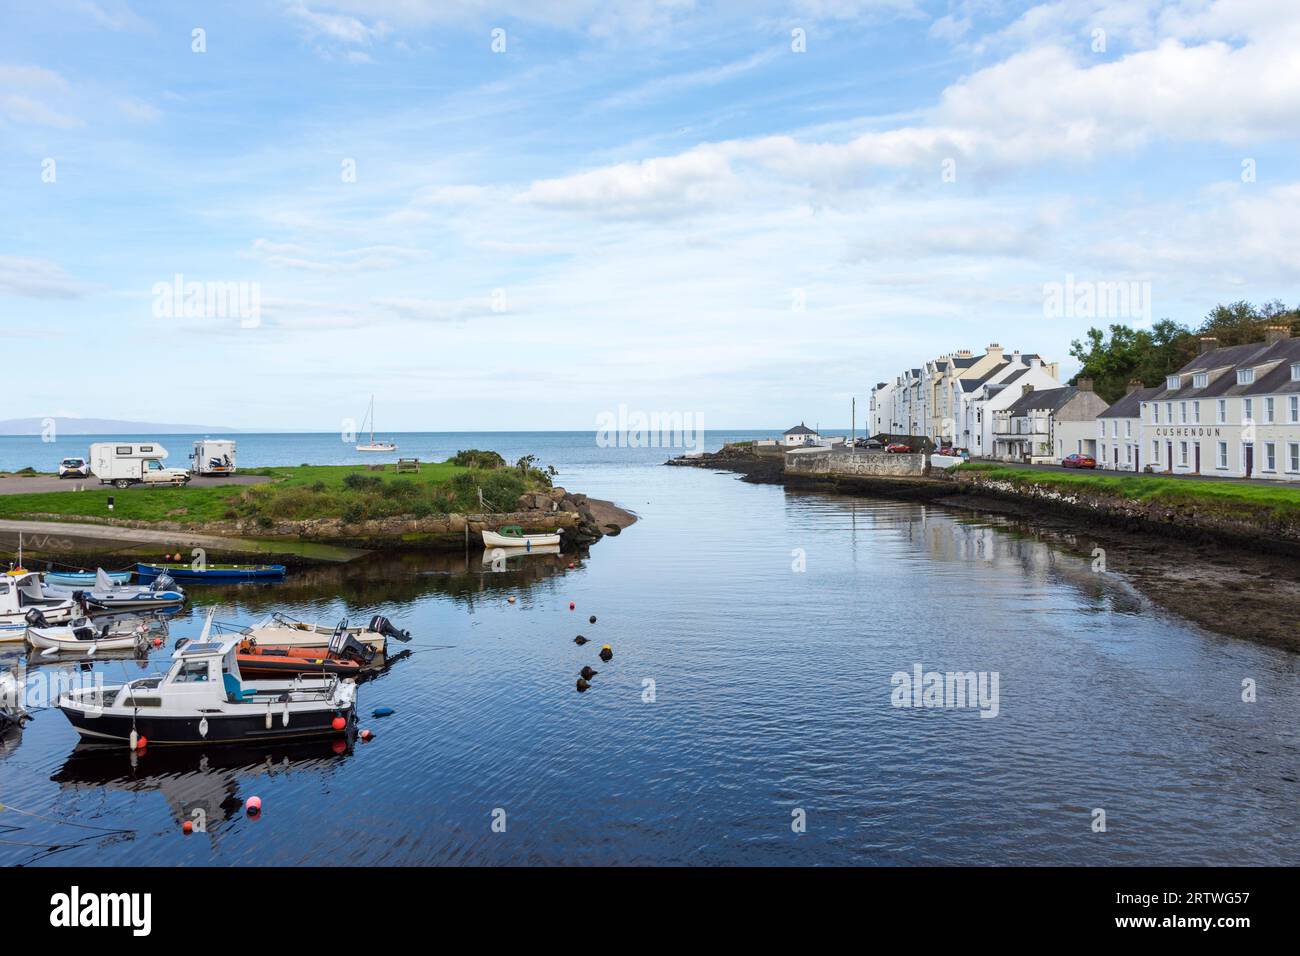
pixel 214 456
pixel 128 463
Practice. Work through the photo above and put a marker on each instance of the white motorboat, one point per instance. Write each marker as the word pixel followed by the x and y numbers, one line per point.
pixel 373 445
pixel 161 592
pixel 204 699
pixel 11 700
pixel 512 536
pixel 20 594
pixel 83 637
pixel 282 630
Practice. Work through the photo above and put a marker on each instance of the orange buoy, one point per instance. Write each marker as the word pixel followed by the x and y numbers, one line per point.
pixel 187 827
pixel 367 735
pixel 254 806
pixel 141 742
pixel 338 723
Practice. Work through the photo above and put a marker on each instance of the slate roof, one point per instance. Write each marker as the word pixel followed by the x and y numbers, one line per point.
pixel 1130 406
pixel 800 429
pixel 1272 365
pixel 1043 399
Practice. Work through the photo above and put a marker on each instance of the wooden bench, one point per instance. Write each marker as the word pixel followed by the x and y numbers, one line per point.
pixel 408 464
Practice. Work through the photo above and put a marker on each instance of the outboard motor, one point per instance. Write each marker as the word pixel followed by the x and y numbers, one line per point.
pixel 382 625
pixel 164 582
pixel 36 619
pixel 348 647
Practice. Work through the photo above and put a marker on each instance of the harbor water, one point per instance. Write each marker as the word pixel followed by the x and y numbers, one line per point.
pixel 750 714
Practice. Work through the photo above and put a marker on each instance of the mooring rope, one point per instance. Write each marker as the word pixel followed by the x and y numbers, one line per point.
pixel 84 826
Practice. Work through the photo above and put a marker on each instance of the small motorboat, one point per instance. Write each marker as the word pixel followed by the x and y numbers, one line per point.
pixel 212 573
pixel 162 592
pixel 280 630
pixel 512 536
pixel 83 637
pixel 204 699
pixel 20 593
pixel 84 579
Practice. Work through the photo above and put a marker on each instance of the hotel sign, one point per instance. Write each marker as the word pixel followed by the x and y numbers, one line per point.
pixel 1188 431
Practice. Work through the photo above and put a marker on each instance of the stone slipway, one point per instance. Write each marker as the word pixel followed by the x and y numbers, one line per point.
pixel 65 538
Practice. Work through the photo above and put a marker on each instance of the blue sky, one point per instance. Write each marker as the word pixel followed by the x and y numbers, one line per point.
pixel 659 205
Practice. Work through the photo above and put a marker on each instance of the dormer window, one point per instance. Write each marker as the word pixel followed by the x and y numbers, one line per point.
pixel 1295 372
pixel 1245 376
pixel 1202 379
pixel 1171 382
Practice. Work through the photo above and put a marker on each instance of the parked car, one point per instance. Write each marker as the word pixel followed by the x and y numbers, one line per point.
pixel 1078 461
pixel 898 448
pixel 74 468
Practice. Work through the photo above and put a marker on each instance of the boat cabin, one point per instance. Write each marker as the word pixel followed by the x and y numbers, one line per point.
pixel 206 669
pixel 20 590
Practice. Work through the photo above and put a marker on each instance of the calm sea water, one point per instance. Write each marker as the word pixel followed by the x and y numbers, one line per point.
pixel 771 703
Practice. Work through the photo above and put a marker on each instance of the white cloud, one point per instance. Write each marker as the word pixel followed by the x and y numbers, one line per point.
pixel 37 279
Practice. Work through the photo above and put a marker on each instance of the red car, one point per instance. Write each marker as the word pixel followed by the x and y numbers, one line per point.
pixel 898 447
pixel 1078 461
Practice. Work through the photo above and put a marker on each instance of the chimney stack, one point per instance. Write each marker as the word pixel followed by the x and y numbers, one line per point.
pixel 995 351
pixel 1276 333
pixel 1084 385
pixel 1208 344
pixel 1025 390
pixel 1133 386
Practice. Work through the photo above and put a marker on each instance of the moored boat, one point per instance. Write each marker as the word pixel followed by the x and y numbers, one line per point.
pixel 84 579
pixel 512 536
pixel 162 592
pixel 83 637
pixel 212 573
pixel 262 659
pixel 20 593
pixel 204 698
pixel 284 631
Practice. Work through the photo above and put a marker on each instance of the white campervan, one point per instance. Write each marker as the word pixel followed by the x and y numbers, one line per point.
pixel 127 463
pixel 214 456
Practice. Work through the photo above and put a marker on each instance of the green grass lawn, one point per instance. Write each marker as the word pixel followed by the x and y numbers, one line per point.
pixel 308 491
pixel 1227 494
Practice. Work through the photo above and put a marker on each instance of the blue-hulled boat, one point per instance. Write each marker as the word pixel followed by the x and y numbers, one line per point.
pixel 212 573
pixel 84 579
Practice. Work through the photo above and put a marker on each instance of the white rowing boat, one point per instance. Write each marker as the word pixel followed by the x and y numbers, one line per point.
pixel 512 536
pixel 82 637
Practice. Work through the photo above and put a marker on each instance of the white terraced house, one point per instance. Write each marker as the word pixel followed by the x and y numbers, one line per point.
pixel 936 400
pixel 1118 444
pixel 1232 411
pixel 1043 426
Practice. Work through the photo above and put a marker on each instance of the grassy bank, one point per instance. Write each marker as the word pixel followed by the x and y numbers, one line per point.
pixel 1282 501
pixel 351 492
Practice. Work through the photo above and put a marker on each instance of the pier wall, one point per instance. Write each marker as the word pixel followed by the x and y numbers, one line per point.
pixel 856 465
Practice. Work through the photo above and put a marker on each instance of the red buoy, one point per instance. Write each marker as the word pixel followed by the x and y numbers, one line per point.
pixel 187 827
pixel 367 735
pixel 572 605
pixel 339 746
pixel 338 723
pixel 141 741
pixel 254 806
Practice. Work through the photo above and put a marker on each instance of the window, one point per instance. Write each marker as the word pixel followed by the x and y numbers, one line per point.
pixel 1128 454
pixel 1295 372
pixel 1182 412
pixel 1169 412
pixel 1245 376
pixel 1247 410
pixel 1171 382
pixel 1270 456
pixel 191 672
pixel 1293 456
pixel 1155 451
pixel 1223 411
pixel 1182 453
pixel 1201 379
pixel 1155 412
pixel 1268 411
pixel 1223 455
pixel 1196 412
pixel 1128 428
pixel 126 449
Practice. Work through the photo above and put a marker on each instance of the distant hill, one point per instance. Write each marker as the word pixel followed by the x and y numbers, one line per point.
pixel 103 426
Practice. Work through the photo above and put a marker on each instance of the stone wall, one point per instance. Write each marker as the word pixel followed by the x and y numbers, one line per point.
pixel 856 465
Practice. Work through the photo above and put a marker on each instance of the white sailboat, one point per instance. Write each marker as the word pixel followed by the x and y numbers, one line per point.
pixel 373 445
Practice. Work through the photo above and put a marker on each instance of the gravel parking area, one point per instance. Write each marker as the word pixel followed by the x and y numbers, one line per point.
pixel 36 484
